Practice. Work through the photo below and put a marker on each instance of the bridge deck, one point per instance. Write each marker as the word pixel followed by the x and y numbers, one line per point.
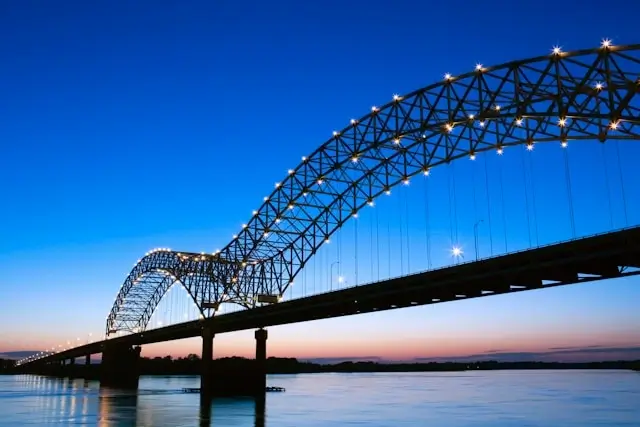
pixel 599 257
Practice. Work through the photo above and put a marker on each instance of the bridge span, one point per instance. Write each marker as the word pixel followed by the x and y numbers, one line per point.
pixel 562 98
pixel 606 256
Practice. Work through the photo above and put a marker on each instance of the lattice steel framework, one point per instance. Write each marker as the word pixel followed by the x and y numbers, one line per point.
pixel 564 96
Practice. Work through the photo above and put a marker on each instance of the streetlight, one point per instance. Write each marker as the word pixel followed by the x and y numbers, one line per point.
pixel 475 235
pixel 331 274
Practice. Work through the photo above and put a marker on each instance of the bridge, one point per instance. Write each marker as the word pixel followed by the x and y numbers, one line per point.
pixel 585 98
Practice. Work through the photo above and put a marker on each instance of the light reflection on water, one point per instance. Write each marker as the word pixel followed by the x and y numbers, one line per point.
pixel 456 399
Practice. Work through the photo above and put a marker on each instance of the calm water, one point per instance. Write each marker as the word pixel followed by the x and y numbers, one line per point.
pixel 496 399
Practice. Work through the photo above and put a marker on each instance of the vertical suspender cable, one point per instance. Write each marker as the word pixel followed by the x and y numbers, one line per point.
pixel 389 245
pixel 526 193
pixel 371 249
pixel 455 204
pixel 378 241
pixel 320 256
pixel 450 208
pixel 355 232
pixel 504 214
pixel 339 265
pixel 606 181
pixel 567 175
pixel 401 237
pixel 427 222
pixel 624 196
pixel 406 213
pixel 486 183
pixel 533 198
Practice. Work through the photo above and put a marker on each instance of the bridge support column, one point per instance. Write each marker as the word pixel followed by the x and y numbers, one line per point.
pixel 119 367
pixel 206 374
pixel 261 359
pixel 87 360
pixel 72 361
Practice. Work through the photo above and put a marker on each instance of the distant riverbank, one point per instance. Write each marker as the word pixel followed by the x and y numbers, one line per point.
pixel 191 365
pixel 275 365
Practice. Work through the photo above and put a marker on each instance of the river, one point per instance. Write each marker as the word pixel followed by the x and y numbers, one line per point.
pixel 455 399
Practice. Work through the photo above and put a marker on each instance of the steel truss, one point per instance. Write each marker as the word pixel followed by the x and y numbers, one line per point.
pixel 561 97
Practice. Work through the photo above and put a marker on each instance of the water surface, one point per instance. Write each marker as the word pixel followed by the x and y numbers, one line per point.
pixel 454 399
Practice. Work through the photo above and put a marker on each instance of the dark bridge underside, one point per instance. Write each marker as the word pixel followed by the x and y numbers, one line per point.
pixel 605 256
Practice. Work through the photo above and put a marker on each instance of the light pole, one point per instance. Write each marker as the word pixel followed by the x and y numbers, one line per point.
pixel 475 235
pixel 331 274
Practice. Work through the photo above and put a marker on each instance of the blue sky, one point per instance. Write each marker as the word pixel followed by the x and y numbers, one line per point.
pixel 132 126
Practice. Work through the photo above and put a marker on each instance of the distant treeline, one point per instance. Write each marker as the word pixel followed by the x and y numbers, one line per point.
pixel 6 364
pixel 191 365
pixel 275 365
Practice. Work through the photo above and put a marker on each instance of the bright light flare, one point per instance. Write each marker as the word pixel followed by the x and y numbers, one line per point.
pixel 457 251
pixel 557 50
pixel 606 43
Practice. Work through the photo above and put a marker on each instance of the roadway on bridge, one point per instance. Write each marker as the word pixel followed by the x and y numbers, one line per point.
pixel 604 256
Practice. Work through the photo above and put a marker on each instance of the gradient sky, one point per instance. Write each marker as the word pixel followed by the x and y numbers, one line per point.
pixel 132 125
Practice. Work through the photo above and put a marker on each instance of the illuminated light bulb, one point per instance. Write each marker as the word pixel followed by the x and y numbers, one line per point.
pixel 291 171
pixel 562 122
pixel 353 121
pixel 496 107
pixel 500 150
pixel 354 159
pixel 374 109
pixel 530 146
pixel 606 43
pixel 305 194
pixel 387 192
pixel 396 140
pixel 598 86
pixel 472 156
pixel 426 172
pixel 557 50
pixel 614 125
pixel 370 202
pixel 397 97
pixel 355 215
pixel 244 225
pixel 340 279
pixel 456 251
pixel 278 185
pixel 478 67
pixel 266 234
pixel 290 206
pixel 254 213
pixel 278 220
pixel 481 123
pixel 448 127
pixel 564 143
pixel 447 76
pixel 235 236
pixel 471 116
pixel 304 158
pixel 327 240
pixel 405 181
pixel 519 122
pixel 320 181
pixel 266 199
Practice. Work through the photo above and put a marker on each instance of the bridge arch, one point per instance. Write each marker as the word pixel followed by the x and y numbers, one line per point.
pixel 149 281
pixel 564 97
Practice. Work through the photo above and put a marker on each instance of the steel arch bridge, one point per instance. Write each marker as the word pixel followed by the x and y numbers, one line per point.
pixel 591 94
